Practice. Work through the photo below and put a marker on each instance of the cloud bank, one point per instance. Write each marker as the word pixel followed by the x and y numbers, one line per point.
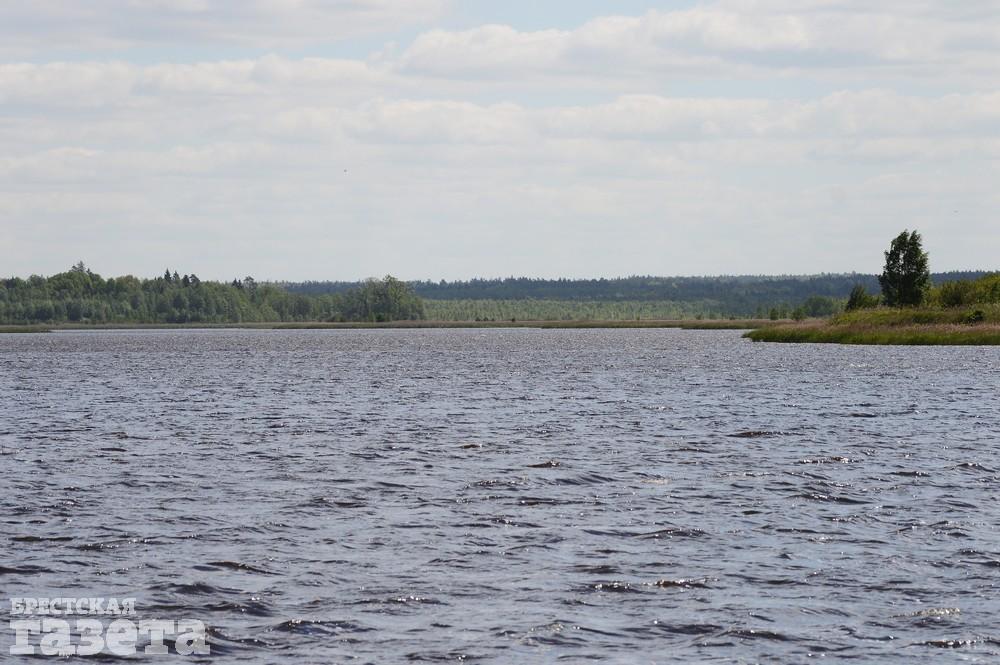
pixel 762 137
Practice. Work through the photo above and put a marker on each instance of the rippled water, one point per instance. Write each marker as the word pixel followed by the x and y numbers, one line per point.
pixel 511 495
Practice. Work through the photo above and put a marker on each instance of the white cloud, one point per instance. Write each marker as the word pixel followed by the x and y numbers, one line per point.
pixel 315 99
pixel 723 40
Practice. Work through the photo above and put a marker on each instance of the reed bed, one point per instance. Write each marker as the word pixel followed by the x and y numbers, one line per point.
pixel 943 334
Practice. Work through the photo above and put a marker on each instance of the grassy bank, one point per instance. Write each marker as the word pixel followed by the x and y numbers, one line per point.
pixel 686 324
pixel 975 325
pixel 24 329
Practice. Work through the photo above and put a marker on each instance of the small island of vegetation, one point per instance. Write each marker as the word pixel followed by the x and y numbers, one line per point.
pixel 910 309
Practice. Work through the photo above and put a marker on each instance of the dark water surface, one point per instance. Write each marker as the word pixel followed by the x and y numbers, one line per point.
pixel 508 496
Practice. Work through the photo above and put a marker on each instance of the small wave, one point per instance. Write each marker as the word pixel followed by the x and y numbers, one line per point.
pixel 584 479
pixel 399 600
pixel 119 543
pixel 235 565
pixel 833 459
pixel 497 482
pixel 689 628
pixel 316 627
pixel 754 634
pixel 757 433
pixel 442 657
pixel 693 583
pixel 932 612
pixel 602 569
pixel 540 501
pixel 222 644
pixel 674 532
pixel 190 588
pixel 960 643
pixel 975 466
pixel 252 607
pixel 833 498
pixel 350 504
pixel 23 570
pixel 617 587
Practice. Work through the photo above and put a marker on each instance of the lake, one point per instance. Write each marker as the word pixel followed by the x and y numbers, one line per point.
pixel 510 495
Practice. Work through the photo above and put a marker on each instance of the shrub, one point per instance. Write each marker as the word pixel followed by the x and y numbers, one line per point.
pixel 975 316
pixel 860 299
pixel 957 293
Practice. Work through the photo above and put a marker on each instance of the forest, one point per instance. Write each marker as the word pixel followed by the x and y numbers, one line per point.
pixel 669 297
pixel 82 296
pixel 727 291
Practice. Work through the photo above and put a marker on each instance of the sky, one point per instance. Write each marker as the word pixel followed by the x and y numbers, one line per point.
pixel 448 139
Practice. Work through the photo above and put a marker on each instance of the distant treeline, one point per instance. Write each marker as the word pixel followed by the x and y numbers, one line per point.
pixel 746 295
pixel 81 296
pixel 617 310
pixel 564 310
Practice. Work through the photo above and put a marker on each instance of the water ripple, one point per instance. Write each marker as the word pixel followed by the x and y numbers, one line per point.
pixel 510 495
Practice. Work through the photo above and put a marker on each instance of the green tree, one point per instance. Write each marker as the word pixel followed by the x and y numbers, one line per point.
pixel 906 277
pixel 386 299
pixel 860 299
pixel 817 306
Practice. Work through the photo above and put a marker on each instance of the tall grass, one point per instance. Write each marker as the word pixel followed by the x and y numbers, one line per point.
pixel 686 324
pixel 25 329
pixel 887 316
pixel 975 325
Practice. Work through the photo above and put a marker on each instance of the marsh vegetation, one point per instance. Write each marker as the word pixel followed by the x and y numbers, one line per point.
pixel 910 310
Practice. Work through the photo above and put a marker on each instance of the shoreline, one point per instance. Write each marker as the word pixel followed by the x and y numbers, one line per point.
pixel 883 335
pixel 685 324
pixel 840 330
